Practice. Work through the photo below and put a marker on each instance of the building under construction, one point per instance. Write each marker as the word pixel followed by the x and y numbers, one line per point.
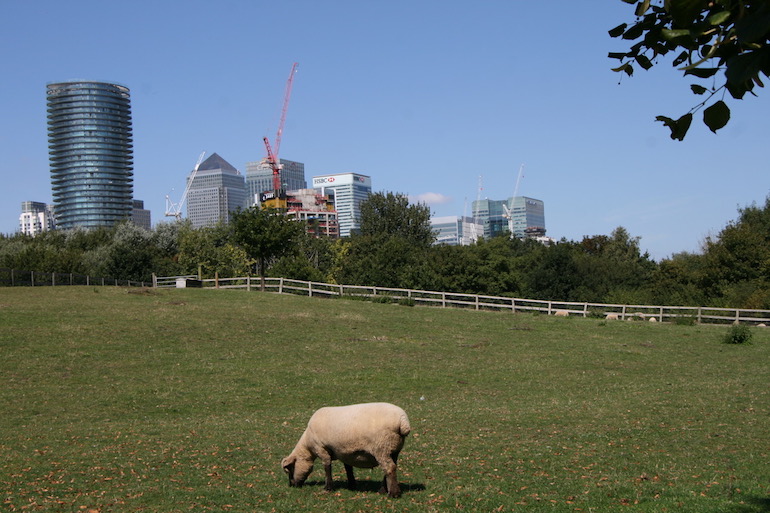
pixel 306 205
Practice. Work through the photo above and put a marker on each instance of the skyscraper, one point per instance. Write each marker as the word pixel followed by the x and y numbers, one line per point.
pixel 91 153
pixel 217 190
pixel 259 178
pixel 523 217
pixel 350 189
pixel 455 230
pixel 35 217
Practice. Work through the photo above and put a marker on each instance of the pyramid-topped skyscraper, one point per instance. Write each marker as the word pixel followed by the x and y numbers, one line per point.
pixel 217 190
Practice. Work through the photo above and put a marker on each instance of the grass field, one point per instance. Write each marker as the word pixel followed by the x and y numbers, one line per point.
pixel 186 400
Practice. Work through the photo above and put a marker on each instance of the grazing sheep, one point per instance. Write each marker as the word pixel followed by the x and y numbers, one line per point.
pixel 612 317
pixel 359 435
pixel 561 313
pixel 653 319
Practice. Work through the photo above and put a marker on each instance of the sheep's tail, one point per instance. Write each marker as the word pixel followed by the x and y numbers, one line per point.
pixel 404 427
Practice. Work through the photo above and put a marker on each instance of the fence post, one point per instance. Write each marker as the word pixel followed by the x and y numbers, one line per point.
pixel 72 280
pixel 700 315
pixel 53 279
pixel 341 291
pixel 585 310
pixel 248 283
pixel 623 313
pixel 737 316
pixel 310 289
pixel 32 274
pixel 216 279
pixel 280 285
pixel 513 305
pixel 477 302
pixel 154 281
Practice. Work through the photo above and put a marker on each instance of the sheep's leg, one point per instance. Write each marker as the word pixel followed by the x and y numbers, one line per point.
pixel 390 481
pixel 351 477
pixel 329 481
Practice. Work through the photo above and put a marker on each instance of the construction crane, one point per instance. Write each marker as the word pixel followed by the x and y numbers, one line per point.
pixel 175 209
pixel 272 156
pixel 509 211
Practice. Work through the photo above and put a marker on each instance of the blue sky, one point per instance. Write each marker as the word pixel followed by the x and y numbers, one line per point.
pixel 423 96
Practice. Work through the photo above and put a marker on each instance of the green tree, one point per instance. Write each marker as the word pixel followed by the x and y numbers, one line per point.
pixel 391 215
pixel 737 260
pixel 392 245
pixel 265 235
pixel 722 44
pixel 210 250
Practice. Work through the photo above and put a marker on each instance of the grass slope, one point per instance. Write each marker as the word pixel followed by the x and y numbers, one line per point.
pixel 186 400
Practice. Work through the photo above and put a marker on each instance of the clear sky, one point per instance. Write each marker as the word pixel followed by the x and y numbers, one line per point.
pixel 424 96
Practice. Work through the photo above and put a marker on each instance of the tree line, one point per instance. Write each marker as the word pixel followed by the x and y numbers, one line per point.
pixel 394 248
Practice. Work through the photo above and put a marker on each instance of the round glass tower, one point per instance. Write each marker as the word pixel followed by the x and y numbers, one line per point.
pixel 91 153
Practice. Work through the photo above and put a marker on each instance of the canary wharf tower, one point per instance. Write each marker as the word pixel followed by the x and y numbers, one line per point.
pixel 90 152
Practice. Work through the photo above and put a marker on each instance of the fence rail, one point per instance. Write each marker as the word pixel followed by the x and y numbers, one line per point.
pixel 17 278
pixel 696 314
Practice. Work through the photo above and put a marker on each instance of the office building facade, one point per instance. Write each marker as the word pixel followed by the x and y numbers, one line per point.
pixel 140 215
pixel 36 217
pixel 259 178
pixel 456 230
pixel 217 190
pixel 349 189
pixel 521 216
pixel 91 153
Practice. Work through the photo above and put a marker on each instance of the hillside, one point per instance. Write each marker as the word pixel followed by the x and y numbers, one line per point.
pixel 186 400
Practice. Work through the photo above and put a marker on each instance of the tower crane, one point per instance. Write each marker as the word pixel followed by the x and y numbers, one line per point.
pixel 509 211
pixel 175 209
pixel 272 157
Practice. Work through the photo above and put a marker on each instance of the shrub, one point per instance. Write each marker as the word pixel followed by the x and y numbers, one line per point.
pixel 738 334
pixel 684 320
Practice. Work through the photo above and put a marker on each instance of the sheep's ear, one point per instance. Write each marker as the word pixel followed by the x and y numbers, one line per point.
pixel 287 461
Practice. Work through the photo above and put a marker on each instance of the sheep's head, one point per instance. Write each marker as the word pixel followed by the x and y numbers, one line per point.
pixel 298 469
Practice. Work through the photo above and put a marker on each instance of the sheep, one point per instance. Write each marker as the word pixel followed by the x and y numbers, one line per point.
pixel 612 317
pixel 359 435
pixel 561 313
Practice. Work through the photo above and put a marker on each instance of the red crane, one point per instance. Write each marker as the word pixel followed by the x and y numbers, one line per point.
pixel 272 158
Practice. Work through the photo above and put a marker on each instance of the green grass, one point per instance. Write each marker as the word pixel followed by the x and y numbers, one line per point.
pixel 186 400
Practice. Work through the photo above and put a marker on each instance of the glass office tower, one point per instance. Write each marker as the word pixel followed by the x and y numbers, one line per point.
pixel 91 153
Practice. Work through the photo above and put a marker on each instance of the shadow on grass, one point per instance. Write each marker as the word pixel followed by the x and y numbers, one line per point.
pixel 752 505
pixel 369 486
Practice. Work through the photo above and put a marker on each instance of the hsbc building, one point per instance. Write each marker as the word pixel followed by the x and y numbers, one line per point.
pixel 349 190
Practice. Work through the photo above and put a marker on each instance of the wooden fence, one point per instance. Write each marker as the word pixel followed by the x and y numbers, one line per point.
pixel 697 314
pixel 17 278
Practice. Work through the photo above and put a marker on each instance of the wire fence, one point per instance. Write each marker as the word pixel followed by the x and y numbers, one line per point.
pixel 412 297
pixel 17 278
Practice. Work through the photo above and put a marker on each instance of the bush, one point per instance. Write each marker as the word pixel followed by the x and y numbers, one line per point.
pixel 685 320
pixel 738 334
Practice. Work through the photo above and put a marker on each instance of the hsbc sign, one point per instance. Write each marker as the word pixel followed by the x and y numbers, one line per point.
pixel 341 179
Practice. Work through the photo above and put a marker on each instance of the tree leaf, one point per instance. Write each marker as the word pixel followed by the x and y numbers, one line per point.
pixel 625 67
pixel 616 55
pixel 642 7
pixel 618 31
pixel 672 34
pixel 678 127
pixel 643 61
pixel 754 28
pixel 684 12
pixel 718 18
pixel 702 72
pixel 681 58
pixel 698 89
pixel 716 116
pixel 634 32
